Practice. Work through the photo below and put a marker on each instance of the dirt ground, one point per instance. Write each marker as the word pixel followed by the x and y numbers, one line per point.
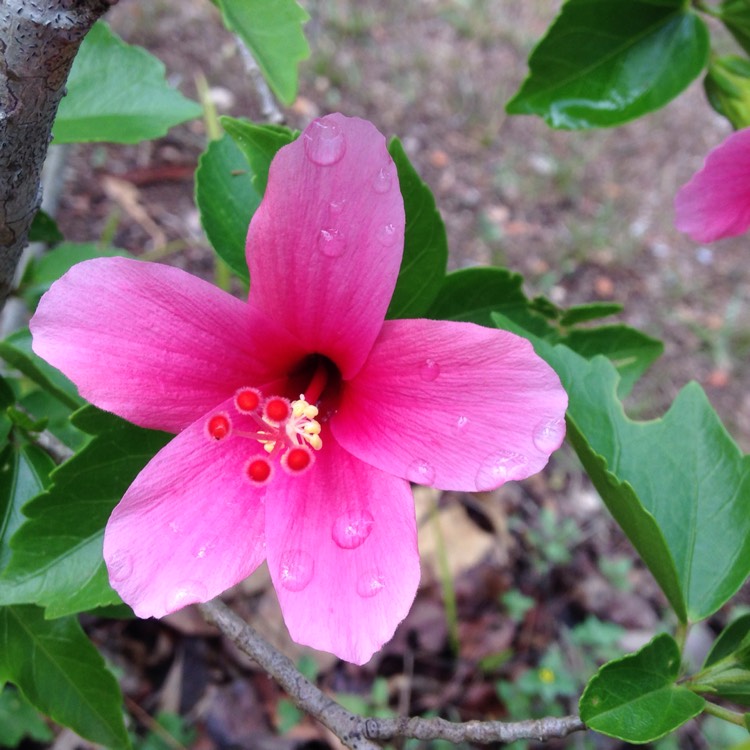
pixel 583 216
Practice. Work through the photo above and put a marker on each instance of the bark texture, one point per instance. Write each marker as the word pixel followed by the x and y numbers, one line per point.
pixel 38 42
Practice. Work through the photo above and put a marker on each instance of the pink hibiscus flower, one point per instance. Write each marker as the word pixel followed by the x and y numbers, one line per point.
pixel 715 203
pixel 300 416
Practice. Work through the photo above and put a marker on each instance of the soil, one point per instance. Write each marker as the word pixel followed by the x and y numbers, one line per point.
pixel 583 216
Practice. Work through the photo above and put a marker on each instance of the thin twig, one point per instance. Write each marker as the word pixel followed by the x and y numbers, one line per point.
pixel 362 733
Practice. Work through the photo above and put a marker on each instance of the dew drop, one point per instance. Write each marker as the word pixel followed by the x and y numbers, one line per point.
pixel 462 424
pixel 120 567
pixel 429 370
pixel 296 569
pixel 387 235
pixel 548 435
pixel 383 180
pixel 336 207
pixel 420 472
pixel 351 529
pixel 498 468
pixel 370 583
pixel 324 142
pixel 187 593
pixel 331 243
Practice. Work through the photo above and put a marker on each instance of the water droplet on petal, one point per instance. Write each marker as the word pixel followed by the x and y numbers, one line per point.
pixel 187 593
pixel 548 435
pixel 387 235
pixel 462 424
pixel 296 569
pixel 370 583
pixel 500 467
pixel 324 142
pixel 429 370
pixel 351 529
pixel 420 472
pixel 331 243
pixel 120 566
pixel 336 207
pixel 383 180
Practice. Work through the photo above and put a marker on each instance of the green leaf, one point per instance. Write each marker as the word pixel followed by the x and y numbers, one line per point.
pixel 41 272
pixel 273 33
pixel 61 673
pixel 118 93
pixel 736 635
pixel 425 243
pixel 604 62
pixel 44 229
pixel 630 351
pixel 24 473
pixel 679 486
pixel 475 294
pixel 19 719
pixel 57 553
pixel 735 14
pixel 727 85
pixel 259 144
pixel 635 698
pixel 227 200
pixel 16 351
pixel 590 311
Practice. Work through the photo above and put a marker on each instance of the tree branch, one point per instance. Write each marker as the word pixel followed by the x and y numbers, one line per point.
pixel 361 733
pixel 39 40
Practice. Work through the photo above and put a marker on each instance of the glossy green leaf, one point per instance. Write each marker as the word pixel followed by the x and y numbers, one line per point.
pixel 591 311
pixel 681 476
pixel 273 33
pixel 735 636
pixel 604 62
pixel 42 405
pixel 44 229
pixel 24 473
pixel 227 200
pixel 727 85
pixel 42 271
pixel 16 351
pixel 631 351
pixel 57 553
pixel 19 719
pixel 259 144
pixel 735 14
pixel 425 243
pixel 475 294
pixel 635 698
pixel 118 93
pixel 61 673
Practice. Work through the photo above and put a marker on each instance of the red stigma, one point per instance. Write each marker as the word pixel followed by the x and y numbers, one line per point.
pixel 219 426
pixel 277 409
pixel 258 470
pixel 247 400
pixel 298 459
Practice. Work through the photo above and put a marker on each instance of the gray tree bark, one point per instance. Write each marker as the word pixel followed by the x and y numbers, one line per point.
pixel 38 41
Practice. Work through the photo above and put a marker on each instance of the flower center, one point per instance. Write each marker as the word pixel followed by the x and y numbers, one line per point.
pixel 288 430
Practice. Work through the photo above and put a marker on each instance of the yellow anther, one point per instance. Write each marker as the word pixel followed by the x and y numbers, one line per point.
pixel 310 411
pixel 312 428
pixel 315 442
pixel 269 446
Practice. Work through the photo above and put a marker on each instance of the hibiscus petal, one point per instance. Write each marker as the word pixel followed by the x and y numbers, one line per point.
pixel 190 526
pixel 452 405
pixel 152 343
pixel 715 203
pixel 342 551
pixel 325 245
